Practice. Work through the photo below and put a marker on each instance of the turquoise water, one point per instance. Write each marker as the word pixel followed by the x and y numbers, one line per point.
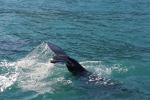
pixel 108 37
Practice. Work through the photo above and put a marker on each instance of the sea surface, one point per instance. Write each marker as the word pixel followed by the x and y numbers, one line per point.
pixel 110 38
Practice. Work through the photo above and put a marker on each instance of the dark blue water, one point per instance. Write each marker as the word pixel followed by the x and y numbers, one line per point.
pixel 109 37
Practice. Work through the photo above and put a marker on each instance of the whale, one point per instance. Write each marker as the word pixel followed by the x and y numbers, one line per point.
pixel 76 69
pixel 72 65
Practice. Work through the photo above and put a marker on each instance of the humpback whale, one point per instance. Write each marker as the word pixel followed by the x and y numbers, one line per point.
pixel 75 68
pixel 72 65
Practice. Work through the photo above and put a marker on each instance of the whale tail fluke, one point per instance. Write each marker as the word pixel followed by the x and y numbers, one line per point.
pixel 60 56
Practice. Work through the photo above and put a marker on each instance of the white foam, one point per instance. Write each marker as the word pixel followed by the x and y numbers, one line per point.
pixel 103 70
pixel 9 74
pixel 29 71
pixel 97 67
pixel 36 67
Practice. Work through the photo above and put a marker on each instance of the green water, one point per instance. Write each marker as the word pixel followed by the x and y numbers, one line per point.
pixel 108 37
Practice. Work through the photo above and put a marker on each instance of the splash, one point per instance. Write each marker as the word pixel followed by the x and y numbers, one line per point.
pixel 103 70
pixel 35 68
pixel 29 72
pixel 8 74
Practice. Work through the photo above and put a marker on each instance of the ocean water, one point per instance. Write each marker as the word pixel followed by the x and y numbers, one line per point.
pixel 110 38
